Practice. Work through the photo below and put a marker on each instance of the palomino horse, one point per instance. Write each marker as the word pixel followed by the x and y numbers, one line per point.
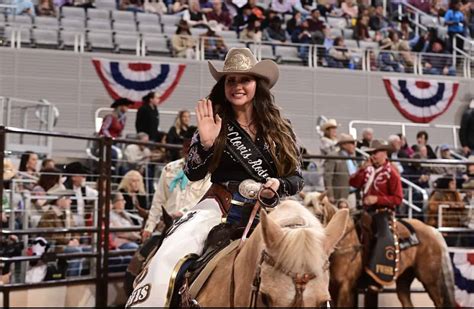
pixel 428 262
pixel 285 258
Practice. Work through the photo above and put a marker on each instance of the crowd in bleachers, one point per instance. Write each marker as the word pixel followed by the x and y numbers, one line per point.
pixel 446 184
pixel 342 28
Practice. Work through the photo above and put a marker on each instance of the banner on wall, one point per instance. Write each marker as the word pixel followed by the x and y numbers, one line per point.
pixel 133 80
pixel 463 266
pixel 419 100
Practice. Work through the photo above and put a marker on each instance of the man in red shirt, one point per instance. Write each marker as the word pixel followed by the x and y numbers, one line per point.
pixel 381 190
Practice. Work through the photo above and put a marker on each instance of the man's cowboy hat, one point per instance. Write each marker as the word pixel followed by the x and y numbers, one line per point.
pixel 331 123
pixel 241 60
pixel 214 26
pixel 9 170
pixel 468 185
pixel 76 168
pixel 378 145
pixel 120 102
pixel 345 138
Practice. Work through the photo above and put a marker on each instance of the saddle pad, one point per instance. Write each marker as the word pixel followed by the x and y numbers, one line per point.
pixel 383 262
pixel 201 279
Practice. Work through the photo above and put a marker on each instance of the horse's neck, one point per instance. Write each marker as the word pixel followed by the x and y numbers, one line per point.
pixel 244 268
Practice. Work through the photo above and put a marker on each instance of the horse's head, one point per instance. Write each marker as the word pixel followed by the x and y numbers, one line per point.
pixel 318 203
pixel 293 268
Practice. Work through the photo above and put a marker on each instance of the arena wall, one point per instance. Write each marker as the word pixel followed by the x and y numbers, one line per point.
pixel 69 80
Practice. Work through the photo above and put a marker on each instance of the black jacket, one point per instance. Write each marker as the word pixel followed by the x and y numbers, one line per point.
pixel 466 132
pixel 148 120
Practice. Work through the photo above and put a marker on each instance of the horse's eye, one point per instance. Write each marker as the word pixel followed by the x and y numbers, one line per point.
pixel 266 300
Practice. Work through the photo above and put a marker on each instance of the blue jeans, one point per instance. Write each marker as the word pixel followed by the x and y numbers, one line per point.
pixel 77 267
pixel 239 215
pixel 436 71
pixel 120 263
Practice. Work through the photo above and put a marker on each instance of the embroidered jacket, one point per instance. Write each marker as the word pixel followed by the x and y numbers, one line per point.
pixel 385 184
pixel 229 169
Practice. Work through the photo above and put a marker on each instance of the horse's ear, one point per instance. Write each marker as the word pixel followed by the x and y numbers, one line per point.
pixel 167 219
pixel 302 194
pixel 335 230
pixel 271 231
pixel 322 196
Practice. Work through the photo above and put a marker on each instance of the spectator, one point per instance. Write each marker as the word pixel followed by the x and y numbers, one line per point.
pixel 294 22
pixel 114 123
pixel 378 21
pixel 406 56
pixel 338 172
pixel 219 15
pixel 270 14
pixel 396 144
pixel 24 7
pixel 49 180
pixel 445 154
pixel 258 11
pixel 58 215
pixel 155 7
pixel 422 5
pixel 48 163
pixel 466 130
pixel 43 269
pixel 469 174
pixel 175 193
pixel 133 190
pixel 193 15
pixel 243 18
pixel 214 46
pixel 180 6
pixel 83 206
pixel 454 19
pixel 406 32
pixel 387 60
pixel 282 6
pixel 230 7
pixel 148 116
pixel 182 43
pixel 325 8
pixel 367 137
pixel 349 9
pixel 418 175
pixel 27 170
pixel 361 29
pixel 253 32
pixel 301 35
pixel 181 130
pixel 339 55
pixel 405 150
pixel 315 23
pixel 119 217
pixel 131 5
pixel 138 155
pixel 329 139
pixel 46 8
pixel 445 193
pixel 438 61
pixel 422 140
pixel 275 32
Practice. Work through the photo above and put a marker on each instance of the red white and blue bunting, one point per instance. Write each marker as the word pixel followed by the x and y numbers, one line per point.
pixel 133 80
pixel 463 266
pixel 421 101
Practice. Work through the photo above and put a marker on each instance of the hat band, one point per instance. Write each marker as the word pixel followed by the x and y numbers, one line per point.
pixel 238 62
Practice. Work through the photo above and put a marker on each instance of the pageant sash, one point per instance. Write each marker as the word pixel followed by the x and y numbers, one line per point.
pixel 243 149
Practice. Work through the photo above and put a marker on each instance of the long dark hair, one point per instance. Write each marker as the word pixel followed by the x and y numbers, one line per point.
pixel 25 157
pixel 268 122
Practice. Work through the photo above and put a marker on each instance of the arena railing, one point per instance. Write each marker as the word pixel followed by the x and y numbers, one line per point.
pixel 441 214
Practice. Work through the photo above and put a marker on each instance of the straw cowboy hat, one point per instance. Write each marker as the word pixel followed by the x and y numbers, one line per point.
pixel 331 123
pixel 9 170
pixel 345 138
pixel 469 185
pixel 214 26
pixel 241 60
pixel 378 145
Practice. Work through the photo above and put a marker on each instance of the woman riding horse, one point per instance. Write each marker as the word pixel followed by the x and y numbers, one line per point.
pixel 244 143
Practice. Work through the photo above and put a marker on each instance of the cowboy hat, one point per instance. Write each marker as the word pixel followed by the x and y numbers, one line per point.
pixel 214 26
pixel 468 185
pixel 242 61
pixel 378 145
pixel 120 102
pixel 9 170
pixel 387 42
pixel 331 123
pixel 345 138
pixel 470 160
pixel 76 168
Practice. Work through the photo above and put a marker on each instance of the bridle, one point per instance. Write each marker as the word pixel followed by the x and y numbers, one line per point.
pixel 299 280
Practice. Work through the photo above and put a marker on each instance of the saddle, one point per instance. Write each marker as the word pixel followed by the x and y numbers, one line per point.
pixel 383 238
pixel 194 271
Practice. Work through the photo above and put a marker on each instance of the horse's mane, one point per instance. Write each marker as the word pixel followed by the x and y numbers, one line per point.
pixel 301 249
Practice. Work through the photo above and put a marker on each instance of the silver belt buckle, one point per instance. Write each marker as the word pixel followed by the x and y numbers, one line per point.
pixel 249 188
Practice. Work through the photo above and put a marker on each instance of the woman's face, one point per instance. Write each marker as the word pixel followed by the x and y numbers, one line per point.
pixel 119 205
pixel 32 162
pixel 123 109
pixel 421 140
pixel 452 185
pixel 134 183
pixel 186 119
pixel 332 132
pixel 240 89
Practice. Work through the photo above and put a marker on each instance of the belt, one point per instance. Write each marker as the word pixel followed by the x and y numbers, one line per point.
pixel 248 188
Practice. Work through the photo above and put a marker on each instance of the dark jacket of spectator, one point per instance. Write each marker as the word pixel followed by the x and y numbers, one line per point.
pixel 361 30
pixel 136 202
pixel 148 120
pixel 223 17
pixel 275 31
pixel 466 132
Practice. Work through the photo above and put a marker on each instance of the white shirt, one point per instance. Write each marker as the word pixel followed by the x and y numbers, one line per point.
pixel 177 200
pixel 80 201
pixel 134 154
